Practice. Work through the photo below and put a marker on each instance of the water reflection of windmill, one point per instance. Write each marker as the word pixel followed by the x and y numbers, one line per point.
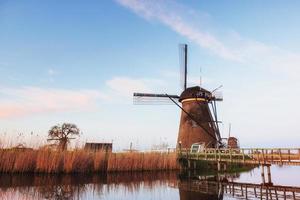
pixel 199 121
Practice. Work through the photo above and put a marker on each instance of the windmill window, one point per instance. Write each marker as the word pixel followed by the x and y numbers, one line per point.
pixel 194 124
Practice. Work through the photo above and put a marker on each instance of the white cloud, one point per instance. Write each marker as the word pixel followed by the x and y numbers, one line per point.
pixel 25 101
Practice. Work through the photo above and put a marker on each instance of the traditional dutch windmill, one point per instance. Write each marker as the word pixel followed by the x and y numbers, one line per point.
pixel 199 121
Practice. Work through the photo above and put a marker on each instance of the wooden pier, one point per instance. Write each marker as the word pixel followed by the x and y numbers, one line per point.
pixel 242 190
pixel 258 156
pixel 252 156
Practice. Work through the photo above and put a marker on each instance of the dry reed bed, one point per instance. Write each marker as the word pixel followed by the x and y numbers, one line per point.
pixel 81 161
pixel 141 162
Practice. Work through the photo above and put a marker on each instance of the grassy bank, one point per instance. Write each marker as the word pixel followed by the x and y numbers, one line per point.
pixel 81 161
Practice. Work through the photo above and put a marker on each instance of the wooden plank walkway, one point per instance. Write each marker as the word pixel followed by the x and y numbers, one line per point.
pixel 242 190
pixel 260 156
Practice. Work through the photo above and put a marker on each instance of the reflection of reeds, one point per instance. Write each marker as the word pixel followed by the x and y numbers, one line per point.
pixel 77 186
pixel 122 178
pixel 78 161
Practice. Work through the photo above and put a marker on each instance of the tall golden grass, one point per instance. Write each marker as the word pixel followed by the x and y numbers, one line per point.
pixel 141 161
pixel 82 161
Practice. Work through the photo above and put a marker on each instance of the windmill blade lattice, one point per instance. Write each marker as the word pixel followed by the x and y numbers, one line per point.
pixel 183 50
pixel 153 99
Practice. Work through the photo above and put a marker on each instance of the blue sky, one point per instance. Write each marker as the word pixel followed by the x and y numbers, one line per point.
pixel 80 61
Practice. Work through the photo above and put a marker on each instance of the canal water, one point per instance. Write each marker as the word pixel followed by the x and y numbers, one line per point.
pixel 128 186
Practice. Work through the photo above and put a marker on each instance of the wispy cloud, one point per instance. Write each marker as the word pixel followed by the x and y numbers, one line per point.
pixel 24 101
pixel 231 46
pixel 172 16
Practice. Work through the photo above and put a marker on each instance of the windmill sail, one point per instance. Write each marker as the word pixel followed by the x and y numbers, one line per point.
pixel 199 120
pixel 183 50
pixel 153 99
pixel 217 96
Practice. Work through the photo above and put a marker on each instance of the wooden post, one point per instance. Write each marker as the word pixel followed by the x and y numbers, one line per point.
pixel 215 151
pixel 246 191
pixel 276 195
pixel 189 164
pixel 294 196
pixel 242 190
pixel 269 174
pixel 261 192
pixel 289 152
pixel 263 175
pixel 272 158
pixel 255 192
pixel 243 152
pixel 219 166
pixel 258 157
pixel 280 156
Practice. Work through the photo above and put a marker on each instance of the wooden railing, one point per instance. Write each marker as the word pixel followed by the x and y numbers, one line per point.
pixel 281 156
pixel 246 190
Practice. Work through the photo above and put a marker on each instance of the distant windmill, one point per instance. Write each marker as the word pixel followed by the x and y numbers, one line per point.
pixel 199 121
pixel 63 134
pixel 232 142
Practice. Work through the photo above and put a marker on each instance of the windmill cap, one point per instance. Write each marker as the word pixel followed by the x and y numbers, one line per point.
pixel 232 138
pixel 195 92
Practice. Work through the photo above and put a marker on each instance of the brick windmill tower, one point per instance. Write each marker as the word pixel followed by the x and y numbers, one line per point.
pixel 199 121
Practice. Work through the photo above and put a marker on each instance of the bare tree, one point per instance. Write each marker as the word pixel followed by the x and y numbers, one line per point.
pixel 63 134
